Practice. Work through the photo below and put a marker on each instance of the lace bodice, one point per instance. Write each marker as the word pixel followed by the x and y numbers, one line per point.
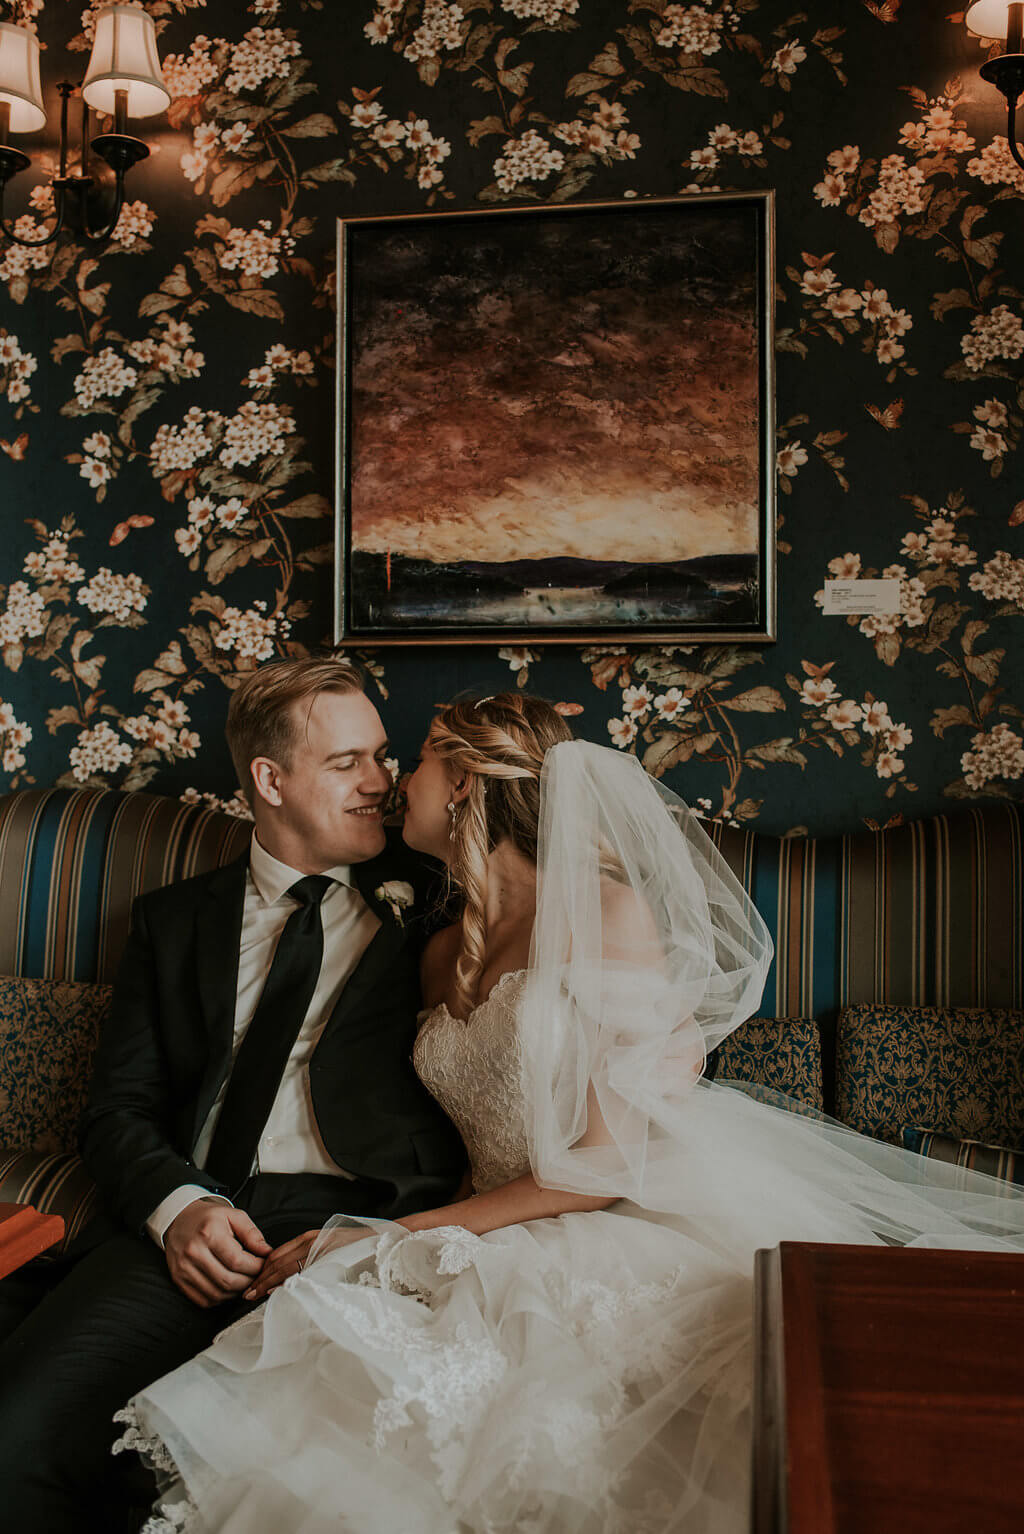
pixel 474 1069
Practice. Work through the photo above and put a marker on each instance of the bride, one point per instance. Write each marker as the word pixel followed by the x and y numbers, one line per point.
pixel 568 1349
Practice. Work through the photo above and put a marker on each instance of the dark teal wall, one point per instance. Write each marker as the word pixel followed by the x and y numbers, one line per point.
pixel 899 388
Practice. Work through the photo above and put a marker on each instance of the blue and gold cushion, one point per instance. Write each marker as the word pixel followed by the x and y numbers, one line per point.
pixel 958 1069
pixel 48 1034
pixel 780 1053
pixel 994 1160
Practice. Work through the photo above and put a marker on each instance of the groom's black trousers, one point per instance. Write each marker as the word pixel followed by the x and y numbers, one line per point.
pixel 80 1335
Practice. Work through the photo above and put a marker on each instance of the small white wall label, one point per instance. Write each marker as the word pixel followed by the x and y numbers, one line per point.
pixel 855 596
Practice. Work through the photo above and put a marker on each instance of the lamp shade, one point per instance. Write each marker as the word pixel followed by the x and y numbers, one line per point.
pixel 19 78
pixel 988 18
pixel 124 58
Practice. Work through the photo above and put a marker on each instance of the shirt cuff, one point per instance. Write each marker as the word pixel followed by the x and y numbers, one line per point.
pixel 169 1208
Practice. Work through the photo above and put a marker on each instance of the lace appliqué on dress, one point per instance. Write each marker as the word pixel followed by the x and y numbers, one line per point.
pixel 178 1512
pixel 475 1070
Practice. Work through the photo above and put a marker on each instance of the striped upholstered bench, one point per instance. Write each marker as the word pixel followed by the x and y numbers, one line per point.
pixel 71 863
pixel 895 996
pixel 894 999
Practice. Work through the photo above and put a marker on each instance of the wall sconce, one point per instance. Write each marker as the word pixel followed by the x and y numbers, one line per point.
pixel 123 80
pixel 1003 18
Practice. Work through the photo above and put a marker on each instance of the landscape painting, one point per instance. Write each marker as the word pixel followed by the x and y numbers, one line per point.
pixel 556 424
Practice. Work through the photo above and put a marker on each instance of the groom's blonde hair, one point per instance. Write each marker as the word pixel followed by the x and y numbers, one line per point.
pixel 498 744
pixel 262 716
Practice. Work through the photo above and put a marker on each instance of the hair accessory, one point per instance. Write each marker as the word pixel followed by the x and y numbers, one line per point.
pixel 481 701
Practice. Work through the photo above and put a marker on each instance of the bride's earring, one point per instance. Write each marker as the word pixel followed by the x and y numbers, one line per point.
pixel 451 811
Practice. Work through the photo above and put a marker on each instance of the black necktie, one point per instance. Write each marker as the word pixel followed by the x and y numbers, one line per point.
pixel 263 1053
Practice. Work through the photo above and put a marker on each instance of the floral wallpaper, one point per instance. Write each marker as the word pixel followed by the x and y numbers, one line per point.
pixel 166 401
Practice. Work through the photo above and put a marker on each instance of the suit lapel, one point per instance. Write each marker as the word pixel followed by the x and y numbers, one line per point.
pixel 218 945
pixel 380 952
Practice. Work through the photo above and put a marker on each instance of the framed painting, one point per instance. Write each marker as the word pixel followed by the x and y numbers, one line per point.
pixel 555 424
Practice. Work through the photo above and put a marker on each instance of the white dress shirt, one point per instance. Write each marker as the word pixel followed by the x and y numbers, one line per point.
pixel 291 1140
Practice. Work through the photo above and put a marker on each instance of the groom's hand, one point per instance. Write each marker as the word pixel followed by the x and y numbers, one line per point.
pixel 213 1252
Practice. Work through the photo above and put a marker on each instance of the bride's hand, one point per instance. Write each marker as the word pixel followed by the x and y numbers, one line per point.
pixel 287 1260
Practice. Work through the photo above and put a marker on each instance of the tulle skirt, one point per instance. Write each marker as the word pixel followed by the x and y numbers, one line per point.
pixel 587 1374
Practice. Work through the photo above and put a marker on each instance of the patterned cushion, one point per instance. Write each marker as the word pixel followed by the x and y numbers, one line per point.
pixel 51 1184
pixel 960 1070
pixel 781 1053
pixel 48 1033
pixel 72 861
pixel 992 1159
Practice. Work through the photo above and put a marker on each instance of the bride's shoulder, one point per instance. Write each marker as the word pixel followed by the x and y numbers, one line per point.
pixel 628 928
pixel 438 960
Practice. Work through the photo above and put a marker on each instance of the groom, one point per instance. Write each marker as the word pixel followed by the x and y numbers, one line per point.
pixel 253 1078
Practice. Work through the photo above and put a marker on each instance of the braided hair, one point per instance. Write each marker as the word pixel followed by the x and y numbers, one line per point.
pixel 498 744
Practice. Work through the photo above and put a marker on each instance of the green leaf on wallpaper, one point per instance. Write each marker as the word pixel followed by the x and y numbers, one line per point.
pixel 985 667
pixel 62 347
pixel 235 178
pixel 157 303
pixel 58 717
pixel 260 301
pixel 316 125
pixel 305 506
pixel 725 660
pixel 667 752
pixel 286 468
pixel 986 251
pixel 149 681
pixel 288 92
pixel 944 619
pixel 330 170
pixel 583 84
pixel 322 554
pixel 956 298
pixel 140 402
pixel 476 45
pixel 481 127
pixel 703 81
pixel 759 700
pixel 232 554
pixel 781 750
pixel 944 719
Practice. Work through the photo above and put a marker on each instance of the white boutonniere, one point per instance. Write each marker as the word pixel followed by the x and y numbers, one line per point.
pixel 397 895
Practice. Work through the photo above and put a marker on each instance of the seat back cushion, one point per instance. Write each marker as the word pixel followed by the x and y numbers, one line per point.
pixel 780 1053
pixel 959 1070
pixel 53 1184
pixel 48 1035
pixel 1005 1165
pixel 72 860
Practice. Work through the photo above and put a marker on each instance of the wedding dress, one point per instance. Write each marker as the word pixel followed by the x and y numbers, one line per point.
pixel 585 1374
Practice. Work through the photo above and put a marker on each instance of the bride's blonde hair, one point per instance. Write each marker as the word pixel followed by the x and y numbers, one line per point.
pixel 498 744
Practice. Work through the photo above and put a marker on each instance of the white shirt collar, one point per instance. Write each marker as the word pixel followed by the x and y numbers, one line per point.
pixel 273 878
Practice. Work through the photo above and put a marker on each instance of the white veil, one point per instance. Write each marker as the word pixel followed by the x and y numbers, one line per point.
pixel 646 953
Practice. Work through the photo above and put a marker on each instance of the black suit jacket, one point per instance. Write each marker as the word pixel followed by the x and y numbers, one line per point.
pixel 166 1048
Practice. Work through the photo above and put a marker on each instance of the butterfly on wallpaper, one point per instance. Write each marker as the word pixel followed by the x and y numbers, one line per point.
pixel 17 448
pixel 122 529
pixel 887 11
pixel 889 417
